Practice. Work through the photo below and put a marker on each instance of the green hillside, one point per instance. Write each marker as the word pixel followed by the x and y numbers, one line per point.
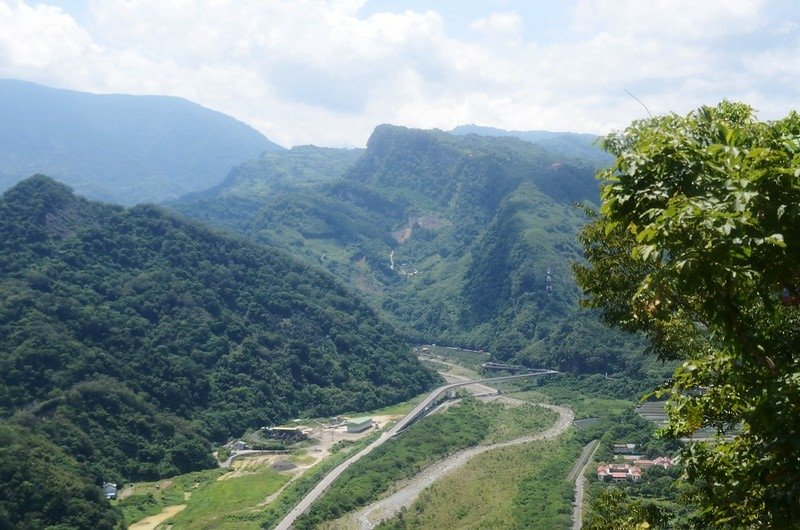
pixel 119 148
pixel 132 338
pixel 248 186
pixel 452 237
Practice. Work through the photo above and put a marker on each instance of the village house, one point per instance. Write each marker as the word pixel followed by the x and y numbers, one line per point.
pixel 110 490
pixel 618 472
pixel 632 472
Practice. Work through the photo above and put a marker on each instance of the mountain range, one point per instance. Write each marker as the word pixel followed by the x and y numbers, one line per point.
pixel 133 338
pixel 119 148
pixel 457 239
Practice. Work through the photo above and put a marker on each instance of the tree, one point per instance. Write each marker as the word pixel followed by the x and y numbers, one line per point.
pixel 697 244
pixel 613 509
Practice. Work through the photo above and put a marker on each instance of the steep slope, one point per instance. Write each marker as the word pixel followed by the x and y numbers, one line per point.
pixel 130 337
pixel 464 240
pixel 119 148
pixel 248 186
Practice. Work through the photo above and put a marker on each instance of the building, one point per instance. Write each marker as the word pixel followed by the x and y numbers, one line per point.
pixel 623 449
pixel 287 434
pixel 110 490
pixel 619 472
pixel 626 471
pixel 239 445
pixel 359 424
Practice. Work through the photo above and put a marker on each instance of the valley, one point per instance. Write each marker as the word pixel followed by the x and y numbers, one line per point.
pixel 511 428
pixel 465 240
pixel 178 337
pixel 370 264
pixel 522 440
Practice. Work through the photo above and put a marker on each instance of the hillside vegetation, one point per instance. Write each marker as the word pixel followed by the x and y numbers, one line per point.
pixel 131 339
pixel 119 148
pixel 464 240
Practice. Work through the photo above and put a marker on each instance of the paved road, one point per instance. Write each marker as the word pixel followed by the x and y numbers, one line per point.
pixel 580 482
pixel 306 502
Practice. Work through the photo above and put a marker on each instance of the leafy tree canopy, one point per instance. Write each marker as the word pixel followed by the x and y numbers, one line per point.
pixel 697 244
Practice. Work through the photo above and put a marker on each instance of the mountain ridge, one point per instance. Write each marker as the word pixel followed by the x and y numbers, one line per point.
pixel 118 147
pixel 463 240
pixel 132 338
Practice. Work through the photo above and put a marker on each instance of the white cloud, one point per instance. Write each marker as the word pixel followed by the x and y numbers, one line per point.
pixel 500 23
pixel 315 71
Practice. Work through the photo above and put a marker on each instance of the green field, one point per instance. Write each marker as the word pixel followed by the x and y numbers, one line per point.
pixel 210 502
pixel 519 487
pixel 464 425
pixel 232 503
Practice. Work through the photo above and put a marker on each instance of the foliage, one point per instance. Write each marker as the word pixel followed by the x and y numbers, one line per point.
pixel 432 438
pixel 614 510
pixel 697 245
pixel 131 338
pixel 120 148
pixel 41 486
pixel 481 219
pixel 233 202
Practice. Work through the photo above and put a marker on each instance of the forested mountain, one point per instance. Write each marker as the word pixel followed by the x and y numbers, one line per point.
pixel 572 145
pixel 465 240
pixel 130 338
pixel 248 186
pixel 120 148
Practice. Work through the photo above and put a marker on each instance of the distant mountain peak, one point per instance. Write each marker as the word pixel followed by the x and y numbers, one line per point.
pixel 116 147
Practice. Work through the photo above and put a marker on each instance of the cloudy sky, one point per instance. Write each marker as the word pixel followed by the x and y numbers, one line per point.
pixel 327 72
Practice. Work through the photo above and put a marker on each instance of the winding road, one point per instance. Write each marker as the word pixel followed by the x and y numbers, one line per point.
pixel 372 515
pixel 306 502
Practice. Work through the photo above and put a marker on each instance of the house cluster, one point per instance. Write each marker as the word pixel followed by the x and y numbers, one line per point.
pixel 631 469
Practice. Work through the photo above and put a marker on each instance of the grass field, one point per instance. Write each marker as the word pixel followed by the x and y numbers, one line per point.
pixel 584 406
pixel 210 503
pixel 149 498
pixel 466 424
pixel 400 409
pixel 520 487
pixel 232 503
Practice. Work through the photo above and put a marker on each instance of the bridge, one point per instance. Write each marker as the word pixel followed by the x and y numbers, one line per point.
pixel 418 412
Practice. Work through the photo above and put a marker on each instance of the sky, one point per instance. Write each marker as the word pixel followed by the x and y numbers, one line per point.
pixel 327 72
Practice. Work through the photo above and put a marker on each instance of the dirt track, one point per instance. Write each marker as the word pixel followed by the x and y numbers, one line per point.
pixel 370 516
pixel 149 523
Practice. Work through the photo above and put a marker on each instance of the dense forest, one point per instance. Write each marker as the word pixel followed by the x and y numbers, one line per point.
pixel 132 339
pixel 465 240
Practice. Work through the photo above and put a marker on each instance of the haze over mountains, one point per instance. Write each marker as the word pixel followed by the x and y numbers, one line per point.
pixel 119 148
